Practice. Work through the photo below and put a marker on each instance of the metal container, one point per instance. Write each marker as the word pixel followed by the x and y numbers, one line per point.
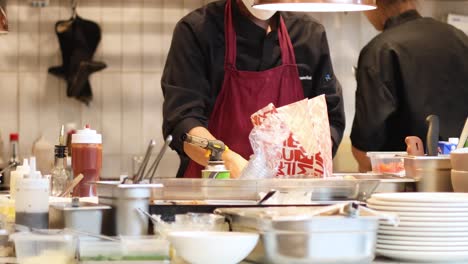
pixel 431 172
pixel 249 189
pixel 124 218
pixel 288 235
pixel 216 170
pixel 85 217
pixel 388 182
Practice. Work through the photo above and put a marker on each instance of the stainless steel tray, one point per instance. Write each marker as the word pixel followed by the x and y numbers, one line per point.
pixel 295 235
pixel 236 189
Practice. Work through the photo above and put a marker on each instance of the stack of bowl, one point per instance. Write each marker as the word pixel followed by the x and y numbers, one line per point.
pixel 459 174
pixel 433 226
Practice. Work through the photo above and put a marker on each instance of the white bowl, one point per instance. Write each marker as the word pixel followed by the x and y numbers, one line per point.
pixel 207 247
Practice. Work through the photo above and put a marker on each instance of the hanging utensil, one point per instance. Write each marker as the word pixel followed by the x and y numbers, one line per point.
pixel 141 171
pixel 432 138
pixel 156 162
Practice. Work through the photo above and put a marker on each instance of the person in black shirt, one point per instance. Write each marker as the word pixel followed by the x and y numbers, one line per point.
pixel 212 81
pixel 416 67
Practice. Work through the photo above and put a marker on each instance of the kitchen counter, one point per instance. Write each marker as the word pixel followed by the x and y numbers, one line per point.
pixel 377 261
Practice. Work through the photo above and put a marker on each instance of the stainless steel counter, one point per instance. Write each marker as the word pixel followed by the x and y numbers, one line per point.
pixel 377 261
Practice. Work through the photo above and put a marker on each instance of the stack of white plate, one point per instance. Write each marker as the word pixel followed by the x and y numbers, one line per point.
pixel 433 226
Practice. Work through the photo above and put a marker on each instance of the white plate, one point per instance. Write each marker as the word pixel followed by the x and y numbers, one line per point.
pixel 431 214
pixel 421 256
pixel 441 244
pixel 424 229
pixel 432 219
pixel 418 209
pixel 414 204
pixel 423 239
pixel 420 197
pixel 423 248
pixel 426 224
pixel 422 234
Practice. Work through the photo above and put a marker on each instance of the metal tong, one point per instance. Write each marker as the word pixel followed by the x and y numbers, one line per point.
pixel 140 176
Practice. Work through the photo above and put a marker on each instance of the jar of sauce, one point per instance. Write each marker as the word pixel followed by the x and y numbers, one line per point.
pixel 86 159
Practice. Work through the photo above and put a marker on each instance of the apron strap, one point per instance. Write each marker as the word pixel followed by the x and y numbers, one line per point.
pixel 287 51
pixel 229 36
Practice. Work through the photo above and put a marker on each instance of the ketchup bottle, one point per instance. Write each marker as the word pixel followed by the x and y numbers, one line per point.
pixel 86 159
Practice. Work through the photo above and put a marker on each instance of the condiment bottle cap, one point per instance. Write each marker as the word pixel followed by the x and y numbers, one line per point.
pixel 87 136
pixel 14 137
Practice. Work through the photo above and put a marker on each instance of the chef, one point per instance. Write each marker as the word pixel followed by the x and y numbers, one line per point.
pixel 416 67
pixel 228 60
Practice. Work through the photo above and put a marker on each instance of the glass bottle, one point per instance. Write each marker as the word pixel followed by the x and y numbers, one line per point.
pixel 60 175
pixel 14 157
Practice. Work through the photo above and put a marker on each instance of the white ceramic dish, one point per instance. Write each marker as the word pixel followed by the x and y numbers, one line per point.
pixel 422 239
pixel 425 229
pixel 432 219
pixel 423 248
pixel 213 247
pixel 430 214
pixel 421 197
pixel 441 244
pixel 418 209
pixel 427 224
pixel 428 235
pixel 425 256
pixel 415 204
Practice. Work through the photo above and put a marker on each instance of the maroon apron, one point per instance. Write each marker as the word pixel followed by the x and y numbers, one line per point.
pixel 245 92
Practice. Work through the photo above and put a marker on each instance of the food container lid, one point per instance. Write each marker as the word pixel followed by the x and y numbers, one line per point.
pixel 82 207
pixel 86 136
pixel 386 154
pixel 42 235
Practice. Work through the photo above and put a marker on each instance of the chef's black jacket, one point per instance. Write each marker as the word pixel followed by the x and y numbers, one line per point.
pixel 416 67
pixel 194 70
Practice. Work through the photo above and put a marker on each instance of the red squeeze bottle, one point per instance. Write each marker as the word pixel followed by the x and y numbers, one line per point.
pixel 86 159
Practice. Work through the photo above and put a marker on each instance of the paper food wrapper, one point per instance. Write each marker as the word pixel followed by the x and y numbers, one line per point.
pixel 307 152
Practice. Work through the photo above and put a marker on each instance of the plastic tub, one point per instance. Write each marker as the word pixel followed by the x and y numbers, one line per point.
pixel 129 248
pixel 97 250
pixel 52 248
pixel 387 162
pixel 144 248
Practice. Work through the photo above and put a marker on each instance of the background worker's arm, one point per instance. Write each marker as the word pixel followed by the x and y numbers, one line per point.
pixel 362 159
pixel 233 161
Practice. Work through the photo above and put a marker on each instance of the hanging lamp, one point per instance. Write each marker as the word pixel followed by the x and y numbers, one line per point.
pixel 315 5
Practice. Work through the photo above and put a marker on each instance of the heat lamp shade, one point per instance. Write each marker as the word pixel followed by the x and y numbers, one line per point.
pixel 315 5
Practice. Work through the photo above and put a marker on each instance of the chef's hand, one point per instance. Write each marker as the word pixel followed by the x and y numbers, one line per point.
pixel 234 162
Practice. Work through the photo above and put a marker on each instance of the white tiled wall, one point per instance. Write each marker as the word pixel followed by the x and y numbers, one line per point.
pixel 127 102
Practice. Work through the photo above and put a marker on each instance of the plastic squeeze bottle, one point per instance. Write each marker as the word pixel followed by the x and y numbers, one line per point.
pixel 32 199
pixel 19 173
pixel 87 159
